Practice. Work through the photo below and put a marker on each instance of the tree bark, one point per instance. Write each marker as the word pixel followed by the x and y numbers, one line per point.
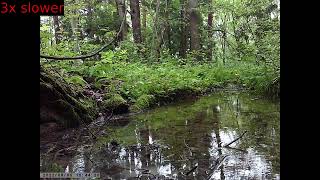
pixel 167 27
pixel 135 18
pixel 183 42
pixel 56 25
pixel 121 8
pixel 144 20
pixel 90 19
pixel 210 21
pixel 157 37
pixel 194 25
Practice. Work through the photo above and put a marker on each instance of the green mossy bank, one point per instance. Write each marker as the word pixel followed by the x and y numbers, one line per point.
pixel 61 104
pixel 134 87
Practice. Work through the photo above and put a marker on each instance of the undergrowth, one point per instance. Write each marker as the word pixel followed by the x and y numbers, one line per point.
pixel 135 81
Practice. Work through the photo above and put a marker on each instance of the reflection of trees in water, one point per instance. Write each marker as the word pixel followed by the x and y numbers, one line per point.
pixel 203 144
pixel 216 129
pixel 195 135
pixel 145 152
pixel 262 125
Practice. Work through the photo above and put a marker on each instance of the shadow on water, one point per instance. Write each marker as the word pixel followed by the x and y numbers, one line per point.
pixel 186 141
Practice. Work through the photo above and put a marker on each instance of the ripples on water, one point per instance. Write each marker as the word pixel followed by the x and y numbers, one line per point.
pixel 167 142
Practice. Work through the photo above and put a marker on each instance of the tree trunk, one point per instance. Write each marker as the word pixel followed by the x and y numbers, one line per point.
pixel 167 27
pixel 90 19
pixel 135 18
pixel 183 43
pixel 194 25
pixel 210 21
pixel 121 8
pixel 157 38
pixel 144 20
pixel 74 27
pixel 56 29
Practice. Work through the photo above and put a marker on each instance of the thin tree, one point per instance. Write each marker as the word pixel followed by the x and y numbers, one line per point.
pixel 144 19
pixel 135 18
pixel 210 34
pixel 194 25
pixel 183 39
pixel 56 26
pixel 121 9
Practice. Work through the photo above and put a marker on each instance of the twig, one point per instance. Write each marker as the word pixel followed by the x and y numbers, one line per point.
pixel 235 139
pixel 217 164
pixel 105 123
pixel 193 169
pixel 236 149
pixel 187 147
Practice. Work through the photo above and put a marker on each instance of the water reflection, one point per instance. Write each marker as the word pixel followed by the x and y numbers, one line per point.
pixel 186 141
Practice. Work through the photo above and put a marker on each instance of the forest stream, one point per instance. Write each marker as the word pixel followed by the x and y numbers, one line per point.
pixel 229 135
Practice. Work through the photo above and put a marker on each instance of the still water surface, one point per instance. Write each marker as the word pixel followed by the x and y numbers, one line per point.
pixel 186 141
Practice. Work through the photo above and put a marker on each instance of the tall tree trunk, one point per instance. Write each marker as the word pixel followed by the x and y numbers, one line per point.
pixel 90 19
pixel 210 21
pixel 121 8
pixel 194 25
pixel 183 43
pixel 74 26
pixel 56 29
pixel 167 27
pixel 135 18
pixel 157 37
pixel 237 36
pixel 224 39
pixel 144 19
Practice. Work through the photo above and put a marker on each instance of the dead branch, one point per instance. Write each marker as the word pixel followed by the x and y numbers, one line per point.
pixel 237 149
pixel 235 139
pixel 193 169
pixel 219 161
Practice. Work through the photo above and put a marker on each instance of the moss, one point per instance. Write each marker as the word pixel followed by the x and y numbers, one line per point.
pixel 86 107
pixel 51 167
pixel 143 102
pixel 68 117
pixel 115 102
pixel 60 103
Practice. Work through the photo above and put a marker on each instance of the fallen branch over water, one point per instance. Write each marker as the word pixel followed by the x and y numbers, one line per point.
pixel 219 161
pixel 193 169
pixel 237 149
pixel 235 139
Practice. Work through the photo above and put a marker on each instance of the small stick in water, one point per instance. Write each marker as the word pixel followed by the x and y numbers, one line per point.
pixel 194 168
pixel 235 139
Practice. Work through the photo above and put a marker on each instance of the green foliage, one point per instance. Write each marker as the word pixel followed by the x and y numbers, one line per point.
pixel 143 102
pixel 77 80
pixel 115 102
pixel 135 79
pixel 245 45
pixel 51 167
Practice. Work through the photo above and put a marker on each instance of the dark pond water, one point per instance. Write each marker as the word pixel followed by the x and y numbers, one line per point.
pixel 186 141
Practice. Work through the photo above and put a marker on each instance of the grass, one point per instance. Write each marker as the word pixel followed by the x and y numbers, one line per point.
pixel 144 85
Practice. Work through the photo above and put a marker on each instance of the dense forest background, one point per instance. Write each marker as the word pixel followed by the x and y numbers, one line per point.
pixel 136 53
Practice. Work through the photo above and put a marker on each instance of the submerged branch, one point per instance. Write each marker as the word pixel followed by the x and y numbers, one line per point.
pixel 219 161
pixel 235 139
pixel 193 169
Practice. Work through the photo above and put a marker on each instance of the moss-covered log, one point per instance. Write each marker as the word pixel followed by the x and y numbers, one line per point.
pixel 60 104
